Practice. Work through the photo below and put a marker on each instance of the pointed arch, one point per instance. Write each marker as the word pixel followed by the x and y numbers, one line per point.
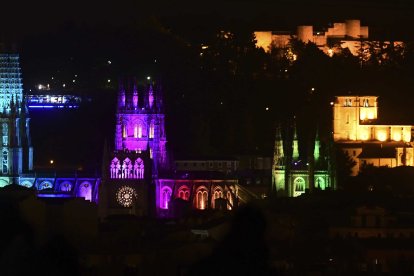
pixel 115 168
pixel 85 190
pixel 299 186
pixel 126 168
pixel 45 185
pixel 218 193
pixel 165 197
pixel 184 192
pixel 201 198
pixel 138 169
pixel 65 186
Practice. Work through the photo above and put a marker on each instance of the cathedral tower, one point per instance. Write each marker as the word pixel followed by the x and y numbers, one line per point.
pixel 16 150
pixel 139 154
pixel 291 175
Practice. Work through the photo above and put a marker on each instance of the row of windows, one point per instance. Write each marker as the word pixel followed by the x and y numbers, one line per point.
pixel 137 131
pixel 200 198
pixel 348 102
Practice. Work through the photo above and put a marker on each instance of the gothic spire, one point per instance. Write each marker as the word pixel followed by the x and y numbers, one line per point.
pixel 278 154
pixel 295 154
pixel 121 96
pixel 316 151
pixel 135 97
pixel 150 96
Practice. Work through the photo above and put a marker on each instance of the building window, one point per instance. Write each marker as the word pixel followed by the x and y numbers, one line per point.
pixel 184 193
pixel 201 198
pixel 320 183
pixel 124 131
pixel 115 168
pixel 126 171
pixel 298 186
pixel 138 169
pixel 165 197
pixel 139 131
pixel 218 193
pixel 151 130
pixel 211 164
pixel 366 103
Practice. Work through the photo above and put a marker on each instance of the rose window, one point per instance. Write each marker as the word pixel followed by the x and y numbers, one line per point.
pixel 126 196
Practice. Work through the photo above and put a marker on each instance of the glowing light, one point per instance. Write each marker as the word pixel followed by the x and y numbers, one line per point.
pixel 382 135
pixel 64 85
pixel 109 62
pixel 51 161
pixel 362 115
pixel 267 108
pixel 109 80
pixel 148 78
pixel 126 196
pixel 331 103
pixel 370 115
pixel 313 88
pixel 330 52
pixel 73 80
pixel 396 136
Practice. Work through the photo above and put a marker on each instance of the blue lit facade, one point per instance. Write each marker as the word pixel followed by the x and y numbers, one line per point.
pixel 16 147
pixel 17 151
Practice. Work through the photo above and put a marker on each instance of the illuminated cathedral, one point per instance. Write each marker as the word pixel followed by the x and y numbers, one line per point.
pixel 139 178
pixel 17 150
pixel 292 174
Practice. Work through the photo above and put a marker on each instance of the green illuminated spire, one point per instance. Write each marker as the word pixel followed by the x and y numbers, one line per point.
pixel 295 155
pixel 316 151
pixel 278 153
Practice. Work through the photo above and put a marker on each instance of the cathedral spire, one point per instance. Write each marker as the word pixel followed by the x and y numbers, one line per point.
pixel 150 96
pixel 316 151
pixel 135 97
pixel 278 154
pixel 121 97
pixel 295 154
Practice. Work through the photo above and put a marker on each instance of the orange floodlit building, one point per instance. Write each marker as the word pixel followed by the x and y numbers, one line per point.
pixel 357 131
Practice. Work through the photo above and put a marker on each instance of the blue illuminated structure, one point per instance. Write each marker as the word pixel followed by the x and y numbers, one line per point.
pixel 16 149
pixel 52 101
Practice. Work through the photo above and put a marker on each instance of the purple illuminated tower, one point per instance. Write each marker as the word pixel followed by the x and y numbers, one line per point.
pixel 139 156
pixel 140 123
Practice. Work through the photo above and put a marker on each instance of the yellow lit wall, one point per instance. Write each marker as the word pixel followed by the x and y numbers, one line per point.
pixel 263 40
pixel 381 133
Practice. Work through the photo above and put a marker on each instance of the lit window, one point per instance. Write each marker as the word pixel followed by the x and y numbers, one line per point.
pixel 151 131
pixel 124 131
